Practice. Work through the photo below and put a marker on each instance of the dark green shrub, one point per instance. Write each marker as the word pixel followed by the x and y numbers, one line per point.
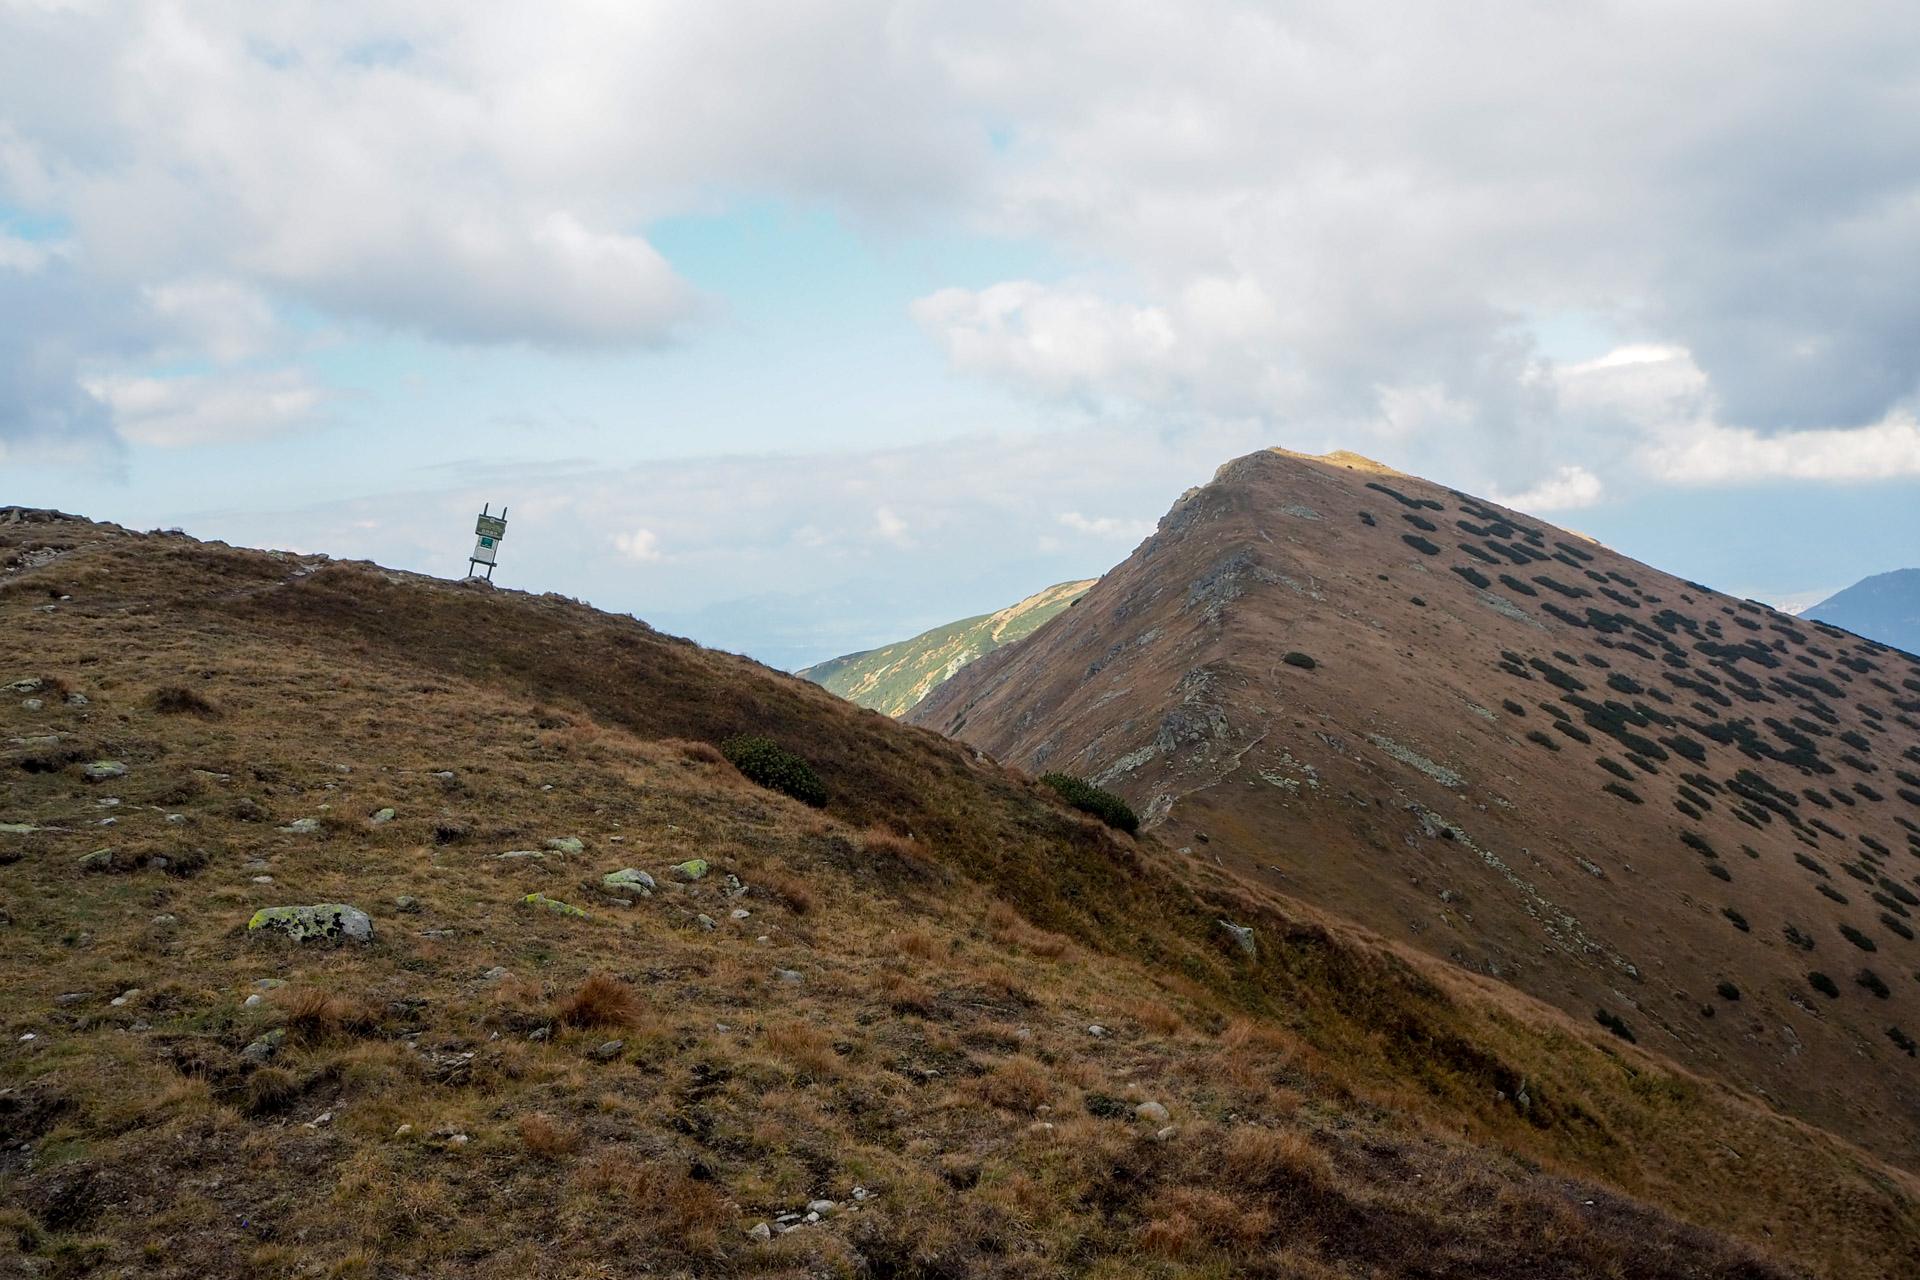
pixel 1420 544
pixel 1694 840
pixel 1514 708
pixel 1615 768
pixel 1298 659
pixel 1573 731
pixel 774 767
pixel 1421 523
pixel 1534 735
pixel 1624 791
pixel 1087 798
pixel 1739 922
pixel 1896 926
pixel 1902 1039
pixel 1823 984
pixel 1811 865
pixel 1366 518
pixel 1872 982
pixel 1719 872
pixel 1104 1106
pixel 1515 584
pixel 1614 1023
pixel 1828 891
pixel 1473 575
pixel 1798 938
pixel 1749 850
pixel 1858 938
pixel 1727 990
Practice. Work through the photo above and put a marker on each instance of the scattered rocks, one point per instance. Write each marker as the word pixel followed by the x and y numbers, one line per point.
pixel 103 770
pixel 567 844
pixel 628 881
pixel 381 817
pixel 554 905
pixel 1242 937
pixel 1152 1112
pixel 327 921
pixel 692 869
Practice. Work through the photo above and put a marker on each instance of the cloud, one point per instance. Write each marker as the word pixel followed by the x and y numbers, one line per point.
pixel 177 413
pixel 1730 455
pixel 891 528
pixel 1567 490
pixel 1106 526
pixel 640 545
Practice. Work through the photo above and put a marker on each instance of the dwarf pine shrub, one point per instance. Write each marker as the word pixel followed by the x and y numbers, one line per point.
pixel 1872 982
pixel 1824 985
pixel 1614 1023
pixel 1099 802
pixel 1297 659
pixel 1858 938
pixel 1739 922
pixel 774 767
pixel 1727 990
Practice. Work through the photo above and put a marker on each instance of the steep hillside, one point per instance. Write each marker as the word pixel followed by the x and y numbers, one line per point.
pixel 998 1039
pixel 891 679
pixel 1691 816
pixel 1884 607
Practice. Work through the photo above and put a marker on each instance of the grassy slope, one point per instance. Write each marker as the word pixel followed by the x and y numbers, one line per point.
pixel 894 677
pixel 1337 1104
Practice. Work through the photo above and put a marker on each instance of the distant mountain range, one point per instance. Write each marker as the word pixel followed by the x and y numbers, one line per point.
pixel 893 678
pixel 1884 607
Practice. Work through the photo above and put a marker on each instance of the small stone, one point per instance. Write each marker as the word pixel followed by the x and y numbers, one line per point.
pixel 566 844
pixel 1242 937
pixel 611 1049
pixel 28 685
pixel 547 787
pixel 789 975
pixel 1096 1030
pixel 554 905
pixel 124 998
pixel 763 938
pixel 33 704
pixel 722 1027
pixel 739 913
pixel 76 699
pixel 760 1231
pixel 1167 1134
pixel 265 1047
pixel 71 998
pixel 522 853
pixel 734 888
pixel 821 1207
pixel 692 869
pixel 104 771
pixel 381 817
pixel 324 1118
pixel 403 1131
pixel 406 902
pixel 263 880
pixel 628 881
pixel 458 1139
pixel 176 817
pixel 328 921
pixel 142 1025
pixel 98 860
pixel 269 984
pixel 1152 1112
pixel 165 921
pixel 495 974
pixel 705 922
pixel 301 827
pixel 1023 1034
pixel 108 822
pixel 252 1001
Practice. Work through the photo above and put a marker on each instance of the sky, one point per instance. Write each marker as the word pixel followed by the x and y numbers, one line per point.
pixel 801 328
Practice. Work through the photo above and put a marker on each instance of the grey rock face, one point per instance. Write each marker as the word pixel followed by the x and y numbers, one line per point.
pixel 327 921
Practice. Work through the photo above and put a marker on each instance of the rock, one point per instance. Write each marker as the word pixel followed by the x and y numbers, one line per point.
pixel 760 1231
pixel 566 844
pixel 30 685
pixel 734 888
pixel 265 1047
pixel 610 1050
pixel 1096 1031
pixel 330 921
pixel 406 902
pixel 33 704
pixel 705 922
pixel 629 881
pixel 554 905
pixel 1167 1134
pixel 522 853
pixel 17 828
pixel 821 1207
pixel 269 984
pixel 176 817
pixel 252 1001
pixel 324 1118
pixel 739 913
pixel 165 921
pixel 789 975
pixel 1152 1112
pixel 692 869
pixel 496 973
pixel 301 827
pixel 98 860
pixel 104 770
pixel 381 817
pixel 72 998
pixel 263 880
pixel 76 699
pixel 1242 937
pixel 125 998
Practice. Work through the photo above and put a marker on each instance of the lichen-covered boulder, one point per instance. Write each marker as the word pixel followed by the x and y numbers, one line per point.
pixel 692 869
pixel 628 882
pixel 566 844
pixel 1242 936
pixel 328 921
pixel 300 827
pixel 103 770
pixel 381 817
pixel 554 905
pixel 98 860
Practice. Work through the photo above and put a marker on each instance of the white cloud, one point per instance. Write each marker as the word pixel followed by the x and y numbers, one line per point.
pixel 640 545
pixel 1568 489
pixel 175 413
pixel 1711 454
pixel 892 528
pixel 1106 526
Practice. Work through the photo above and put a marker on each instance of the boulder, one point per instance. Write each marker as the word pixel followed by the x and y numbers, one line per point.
pixel 628 882
pixel 1152 1112
pixel 554 905
pixel 381 817
pixel 692 869
pixel 103 770
pixel 566 844
pixel 98 860
pixel 1242 937
pixel 327 921
pixel 301 827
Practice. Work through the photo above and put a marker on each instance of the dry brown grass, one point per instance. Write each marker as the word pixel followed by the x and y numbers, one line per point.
pixel 688 1211
pixel 546 1139
pixel 803 1046
pixel 1156 1017
pixel 1274 1159
pixel 1010 929
pixel 311 1013
pixel 915 943
pixel 601 1000
pixel 792 892
pixel 1019 1084
pixel 907 995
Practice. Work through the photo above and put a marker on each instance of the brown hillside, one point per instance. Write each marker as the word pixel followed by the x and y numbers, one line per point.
pixel 887 1003
pixel 1519 751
